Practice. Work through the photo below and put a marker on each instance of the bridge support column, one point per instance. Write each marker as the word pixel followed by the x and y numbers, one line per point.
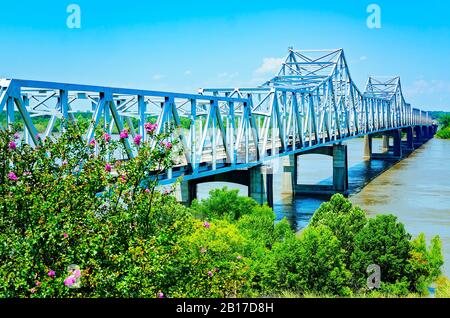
pixel 418 140
pixel 367 147
pixel 340 172
pixel 431 131
pixel 289 174
pixel 261 184
pixel 409 139
pixel 425 135
pixel 340 168
pixel 187 192
pixel 385 146
pixel 397 143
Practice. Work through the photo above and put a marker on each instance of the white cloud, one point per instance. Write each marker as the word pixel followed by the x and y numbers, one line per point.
pixel 427 87
pixel 187 73
pixel 157 77
pixel 270 65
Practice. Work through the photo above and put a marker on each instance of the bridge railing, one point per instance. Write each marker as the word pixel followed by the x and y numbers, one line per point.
pixel 194 116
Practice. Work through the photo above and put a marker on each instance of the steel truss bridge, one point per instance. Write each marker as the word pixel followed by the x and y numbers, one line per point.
pixel 312 102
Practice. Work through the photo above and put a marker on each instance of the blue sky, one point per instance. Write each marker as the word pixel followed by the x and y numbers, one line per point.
pixel 184 45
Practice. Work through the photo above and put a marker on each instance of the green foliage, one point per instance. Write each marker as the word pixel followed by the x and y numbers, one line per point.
pixel 312 263
pixel 384 242
pixel 444 121
pixel 213 262
pixel 343 219
pixel 425 263
pixel 64 207
pixel 224 204
pixel 443 133
pixel 443 287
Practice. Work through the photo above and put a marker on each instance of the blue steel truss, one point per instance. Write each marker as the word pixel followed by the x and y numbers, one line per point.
pixel 311 102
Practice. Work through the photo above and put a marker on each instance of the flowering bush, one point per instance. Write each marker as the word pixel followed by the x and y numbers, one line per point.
pixel 65 202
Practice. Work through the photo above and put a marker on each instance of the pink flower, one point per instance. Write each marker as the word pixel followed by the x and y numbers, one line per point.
pixel 33 290
pixel 210 274
pixel 38 283
pixel 69 281
pixel 92 143
pixel 147 190
pixel 107 137
pixel 66 235
pixel 150 128
pixel 206 225
pixel 51 273
pixel 12 145
pixel 239 257
pixel 137 140
pixel 38 136
pixel 108 167
pixel 166 144
pixel 203 250
pixel 64 162
pixel 12 176
pixel 77 273
pixel 16 136
pixel 124 134
pixel 123 179
pixel 160 295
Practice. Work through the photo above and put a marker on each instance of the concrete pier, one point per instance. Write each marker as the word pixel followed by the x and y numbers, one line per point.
pixel 260 186
pixel 368 147
pixel 340 171
pixel 387 151
pixel 289 174
pixel 258 180
pixel 409 145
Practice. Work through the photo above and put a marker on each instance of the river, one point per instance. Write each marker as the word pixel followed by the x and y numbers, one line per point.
pixel 416 189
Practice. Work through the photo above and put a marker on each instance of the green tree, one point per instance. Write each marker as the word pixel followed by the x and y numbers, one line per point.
pixel 384 242
pixel 425 263
pixel 343 219
pixel 224 203
pixel 312 263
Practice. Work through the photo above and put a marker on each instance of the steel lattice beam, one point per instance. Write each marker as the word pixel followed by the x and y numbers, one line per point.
pixel 311 102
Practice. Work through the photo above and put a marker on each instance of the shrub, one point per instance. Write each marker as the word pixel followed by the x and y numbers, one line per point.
pixel 343 219
pixel 312 263
pixel 443 133
pixel 61 205
pixel 443 287
pixel 223 203
pixel 213 262
pixel 384 242
pixel 424 263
